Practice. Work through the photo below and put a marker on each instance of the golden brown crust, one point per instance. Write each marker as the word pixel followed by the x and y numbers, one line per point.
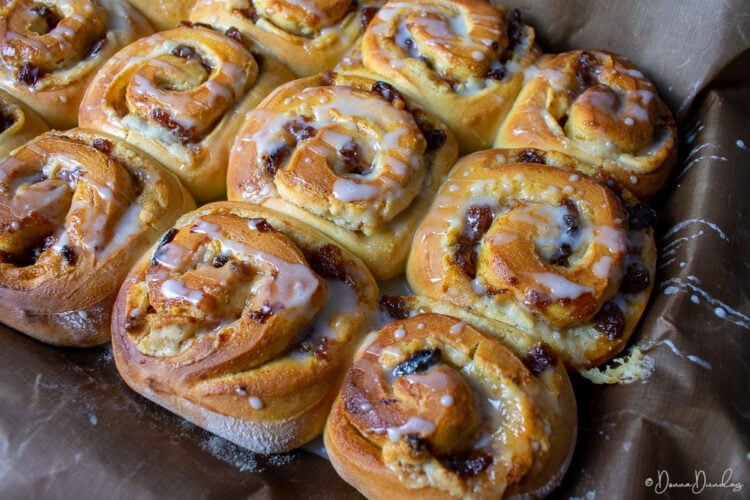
pixel 49 51
pixel 76 210
pixel 164 14
pixel 243 320
pixel 461 60
pixel 522 237
pixel 18 124
pixel 307 36
pixel 433 408
pixel 349 156
pixel 598 107
pixel 181 95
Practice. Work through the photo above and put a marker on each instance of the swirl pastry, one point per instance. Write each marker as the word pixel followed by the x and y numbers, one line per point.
pixel 433 408
pixel 76 210
pixel 243 321
pixel 521 237
pixel 50 50
pixel 18 124
pixel 307 36
pixel 463 60
pixel 181 95
pixel 164 14
pixel 599 108
pixel 349 156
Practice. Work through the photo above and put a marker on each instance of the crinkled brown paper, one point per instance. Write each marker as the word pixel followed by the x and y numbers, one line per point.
pixel 70 428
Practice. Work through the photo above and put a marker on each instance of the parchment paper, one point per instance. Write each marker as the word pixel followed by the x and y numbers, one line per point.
pixel 70 428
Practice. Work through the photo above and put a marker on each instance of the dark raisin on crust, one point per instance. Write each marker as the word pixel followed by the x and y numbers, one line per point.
pixel 165 239
pixel 6 121
pixel 466 464
pixel 249 13
pixel 261 315
pixel 261 225
pixel 103 145
pixel 641 216
pixel 318 346
pixel 515 29
pixel 585 71
pixel 300 129
pixel 29 74
pixel 418 362
pixel 394 306
pixel 610 320
pixel 235 35
pixel 529 156
pixel 477 222
pixel 637 278
pixel 353 159
pixel 96 48
pixel 539 358
pixel 495 73
pixel 184 134
pixel 328 262
pixel 220 260
pixel 275 159
pixel 571 224
pixel 386 91
pixel 366 16
pixel 69 255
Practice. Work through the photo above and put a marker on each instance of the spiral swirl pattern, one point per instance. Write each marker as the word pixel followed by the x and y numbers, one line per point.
pixel 50 50
pixel 433 407
pixel 180 96
pixel 461 60
pixel 18 124
pixel 75 210
pixel 347 154
pixel 307 36
pixel 246 317
pixel 521 237
pixel 601 109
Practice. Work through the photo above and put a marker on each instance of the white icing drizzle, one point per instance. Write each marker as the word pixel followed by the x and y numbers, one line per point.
pixel 415 425
pixel 256 403
pixel 560 287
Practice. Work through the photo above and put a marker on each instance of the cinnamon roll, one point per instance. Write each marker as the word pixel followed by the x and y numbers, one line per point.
pixel 181 95
pixel 349 156
pixel 463 60
pixel 307 36
pixel 434 408
pixel 522 237
pixel 50 50
pixel 598 107
pixel 77 208
pixel 243 321
pixel 164 14
pixel 18 124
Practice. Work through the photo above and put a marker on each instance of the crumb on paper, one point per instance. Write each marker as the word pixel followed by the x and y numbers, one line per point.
pixel 633 366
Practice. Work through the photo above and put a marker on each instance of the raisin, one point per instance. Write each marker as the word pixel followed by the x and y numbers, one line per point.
pixel 464 256
pixel 529 156
pixel 261 315
pixel 68 255
pixel 103 145
pixel 585 74
pixel 570 219
pixel 537 299
pixel 353 158
pixel 6 121
pixel 419 362
pixel 637 278
pixel 250 13
pixel 261 225
pixel 96 48
pixel 51 19
pixel 610 320
pixel 560 257
pixel 641 216
pixel 165 239
pixel 467 464
pixel 394 306
pixel 163 118
pixel 318 346
pixel 133 323
pixel 495 73
pixel 328 261
pixel 235 35
pixel 300 130
pixel 419 446
pixel 366 16
pixel 478 220
pixel 275 159
pixel 29 74
pixel 386 91
pixel 220 260
pixel 435 138
pixel 185 52
pixel 539 358
pixel 515 29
